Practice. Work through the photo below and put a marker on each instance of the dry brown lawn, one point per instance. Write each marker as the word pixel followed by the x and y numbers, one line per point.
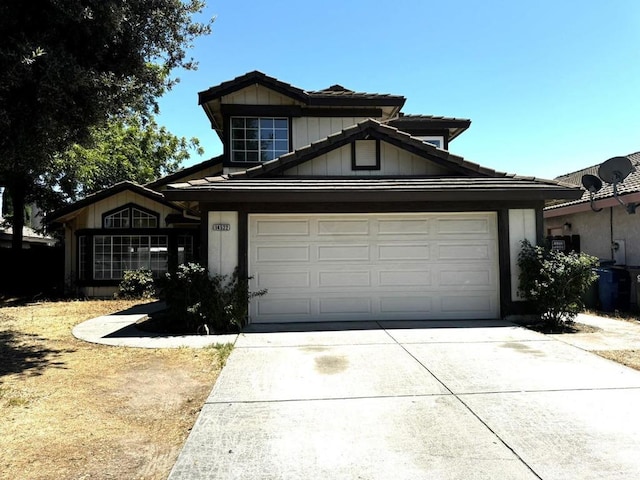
pixel 74 410
pixel 630 358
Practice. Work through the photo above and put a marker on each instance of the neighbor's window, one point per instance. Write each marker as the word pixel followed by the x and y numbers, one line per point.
pixel 113 254
pixel 258 139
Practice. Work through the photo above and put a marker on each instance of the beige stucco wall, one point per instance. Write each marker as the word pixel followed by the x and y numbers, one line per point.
pixel 598 229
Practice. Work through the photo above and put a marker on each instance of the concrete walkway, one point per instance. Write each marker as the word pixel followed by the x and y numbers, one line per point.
pixel 120 330
pixel 416 400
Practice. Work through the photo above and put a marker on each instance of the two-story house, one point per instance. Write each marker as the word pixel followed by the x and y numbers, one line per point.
pixel 337 203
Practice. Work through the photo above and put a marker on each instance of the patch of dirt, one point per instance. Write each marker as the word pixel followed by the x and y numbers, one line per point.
pixel 566 328
pixel 70 409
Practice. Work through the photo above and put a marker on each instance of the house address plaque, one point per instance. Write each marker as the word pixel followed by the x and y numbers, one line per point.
pixel 221 227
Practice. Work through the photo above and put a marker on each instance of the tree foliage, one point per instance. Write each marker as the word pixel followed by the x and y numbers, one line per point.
pixel 555 282
pixel 67 66
pixel 126 148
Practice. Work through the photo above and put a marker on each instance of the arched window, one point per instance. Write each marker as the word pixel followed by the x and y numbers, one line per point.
pixel 130 216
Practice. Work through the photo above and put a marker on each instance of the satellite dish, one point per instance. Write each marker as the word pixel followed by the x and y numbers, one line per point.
pixel 615 170
pixel 592 183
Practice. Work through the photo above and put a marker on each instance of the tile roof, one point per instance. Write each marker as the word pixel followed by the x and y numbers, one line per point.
pixel 411 122
pixel 184 172
pixel 374 129
pixel 335 94
pixel 631 184
pixel 466 176
pixel 409 117
pixel 107 192
pixel 225 188
pixel 226 182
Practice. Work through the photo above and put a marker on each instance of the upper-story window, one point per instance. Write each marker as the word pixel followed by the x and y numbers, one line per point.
pixel 130 217
pixel 435 140
pixel 258 139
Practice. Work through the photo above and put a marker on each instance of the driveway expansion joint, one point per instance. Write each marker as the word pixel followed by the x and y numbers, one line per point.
pixel 326 399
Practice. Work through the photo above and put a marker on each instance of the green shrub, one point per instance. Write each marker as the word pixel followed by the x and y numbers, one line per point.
pixel 555 282
pixel 198 302
pixel 137 284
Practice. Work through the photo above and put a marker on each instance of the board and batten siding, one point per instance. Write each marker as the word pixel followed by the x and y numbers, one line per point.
pixel 522 226
pixel 393 161
pixel 91 217
pixel 307 130
pixel 257 95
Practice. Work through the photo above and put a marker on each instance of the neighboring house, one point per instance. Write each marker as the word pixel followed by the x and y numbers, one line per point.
pixel 334 201
pixel 610 233
pixel 30 237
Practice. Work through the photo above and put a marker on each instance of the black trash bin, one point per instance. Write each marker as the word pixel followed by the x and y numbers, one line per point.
pixel 614 288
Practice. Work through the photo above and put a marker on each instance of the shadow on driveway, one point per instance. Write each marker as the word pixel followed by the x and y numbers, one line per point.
pixel 373 325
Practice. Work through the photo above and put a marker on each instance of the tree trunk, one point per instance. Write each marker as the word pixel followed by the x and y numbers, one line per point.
pixel 17 192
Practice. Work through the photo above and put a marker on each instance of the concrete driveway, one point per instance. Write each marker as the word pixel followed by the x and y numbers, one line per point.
pixel 415 400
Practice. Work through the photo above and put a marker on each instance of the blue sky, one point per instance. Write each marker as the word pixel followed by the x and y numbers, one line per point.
pixel 550 86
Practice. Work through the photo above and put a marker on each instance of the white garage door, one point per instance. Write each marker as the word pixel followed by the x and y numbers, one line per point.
pixel 373 266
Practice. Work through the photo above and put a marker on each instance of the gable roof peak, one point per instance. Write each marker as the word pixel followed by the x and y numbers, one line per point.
pixel 335 93
pixel 251 78
pixel 364 130
pixel 336 88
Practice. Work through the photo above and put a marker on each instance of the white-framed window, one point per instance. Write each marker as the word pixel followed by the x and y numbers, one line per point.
pixel 130 217
pixel 258 139
pixel 435 140
pixel 119 219
pixel 113 254
pixel 185 249
pixel 143 219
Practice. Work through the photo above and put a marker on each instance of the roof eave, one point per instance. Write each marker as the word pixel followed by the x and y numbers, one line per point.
pixel 332 195
pixel 68 210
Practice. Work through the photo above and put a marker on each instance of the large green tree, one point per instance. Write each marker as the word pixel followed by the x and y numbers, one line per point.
pixel 67 66
pixel 131 148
